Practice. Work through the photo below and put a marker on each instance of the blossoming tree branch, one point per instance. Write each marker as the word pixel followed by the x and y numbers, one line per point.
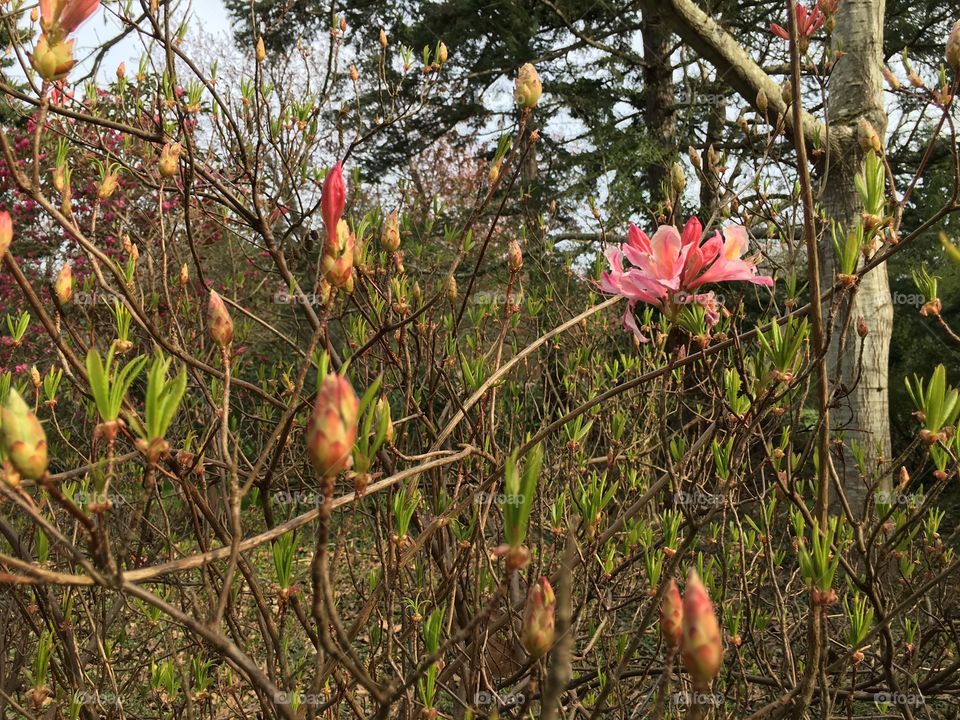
pixel 283 435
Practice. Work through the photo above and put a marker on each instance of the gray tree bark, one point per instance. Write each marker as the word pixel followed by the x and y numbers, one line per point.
pixel 861 406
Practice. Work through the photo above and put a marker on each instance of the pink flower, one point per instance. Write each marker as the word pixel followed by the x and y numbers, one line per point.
pixel 6 231
pixel 729 264
pixel 808 22
pixel 66 15
pixel 664 269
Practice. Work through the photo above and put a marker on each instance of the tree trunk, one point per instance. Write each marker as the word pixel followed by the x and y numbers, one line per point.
pixel 660 112
pixel 710 182
pixel 861 409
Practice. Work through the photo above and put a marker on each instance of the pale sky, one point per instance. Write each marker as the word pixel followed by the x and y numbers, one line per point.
pixel 210 16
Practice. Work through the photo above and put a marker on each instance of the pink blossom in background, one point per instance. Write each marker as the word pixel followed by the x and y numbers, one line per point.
pixel 67 15
pixel 662 271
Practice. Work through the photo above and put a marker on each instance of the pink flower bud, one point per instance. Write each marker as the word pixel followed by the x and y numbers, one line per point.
pixel 952 53
pixel 170 159
pixel 108 186
pixel 332 429
pixel 333 198
pixel 218 320
pixel 515 557
pixel 390 240
pixel 701 647
pixel 63 285
pixel 527 89
pixel 867 136
pixel 539 618
pixel 6 232
pixel 53 60
pixel 338 271
pixel 338 258
pixel 890 78
pixel 514 256
pixel 23 437
pixel 671 615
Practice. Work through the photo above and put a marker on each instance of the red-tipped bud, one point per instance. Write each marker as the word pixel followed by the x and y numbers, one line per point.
pixel 53 60
pixel 952 53
pixel 527 88
pixel 108 186
pixel 382 415
pixel 671 615
pixel 890 78
pixel 514 256
pixel 63 285
pixel 338 271
pixel 515 557
pixel 23 437
pixel 218 320
pixel 170 159
pixel 390 240
pixel 539 619
pixel 701 646
pixel 332 429
pixel 867 136
pixel 333 198
pixel 6 232
pixel 450 289
pixel 338 257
